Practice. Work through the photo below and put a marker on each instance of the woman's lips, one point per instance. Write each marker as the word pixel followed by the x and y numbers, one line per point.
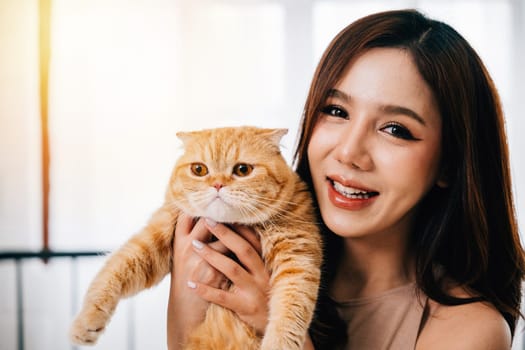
pixel 350 196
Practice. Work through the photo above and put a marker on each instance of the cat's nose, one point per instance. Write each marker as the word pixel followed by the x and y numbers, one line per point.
pixel 217 185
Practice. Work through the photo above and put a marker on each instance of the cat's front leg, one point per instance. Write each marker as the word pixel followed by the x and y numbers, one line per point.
pixel 141 263
pixel 128 271
pixel 294 287
pixel 291 311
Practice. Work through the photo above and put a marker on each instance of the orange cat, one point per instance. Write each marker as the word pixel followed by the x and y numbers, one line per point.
pixel 258 189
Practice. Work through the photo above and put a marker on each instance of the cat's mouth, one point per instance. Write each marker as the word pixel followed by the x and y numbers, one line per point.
pixel 351 191
pixel 219 201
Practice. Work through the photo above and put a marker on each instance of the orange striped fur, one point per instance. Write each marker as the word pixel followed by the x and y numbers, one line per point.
pixel 271 198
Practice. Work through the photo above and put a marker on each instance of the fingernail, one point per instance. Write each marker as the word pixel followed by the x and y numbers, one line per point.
pixel 210 222
pixel 191 284
pixel 197 244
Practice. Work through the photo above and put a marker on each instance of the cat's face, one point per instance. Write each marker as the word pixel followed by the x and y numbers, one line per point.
pixel 231 175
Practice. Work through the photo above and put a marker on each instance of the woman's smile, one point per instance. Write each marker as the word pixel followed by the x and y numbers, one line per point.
pixel 349 195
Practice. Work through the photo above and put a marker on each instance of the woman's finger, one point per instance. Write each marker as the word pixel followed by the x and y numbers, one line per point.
pixel 184 225
pixel 233 271
pixel 250 235
pixel 206 274
pixel 224 298
pixel 190 226
pixel 216 296
pixel 245 252
pixel 219 246
pixel 250 306
pixel 200 231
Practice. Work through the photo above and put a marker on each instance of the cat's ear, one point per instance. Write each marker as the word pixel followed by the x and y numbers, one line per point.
pixel 184 136
pixel 275 135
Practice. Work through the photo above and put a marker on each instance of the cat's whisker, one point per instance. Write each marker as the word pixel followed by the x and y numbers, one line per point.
pixel 278 214
pixel 253 212
pixel 274 200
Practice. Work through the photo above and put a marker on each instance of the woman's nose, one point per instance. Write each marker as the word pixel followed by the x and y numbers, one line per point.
pixel 353 147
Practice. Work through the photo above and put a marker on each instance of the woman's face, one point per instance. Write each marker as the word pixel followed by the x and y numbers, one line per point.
pixel 375 150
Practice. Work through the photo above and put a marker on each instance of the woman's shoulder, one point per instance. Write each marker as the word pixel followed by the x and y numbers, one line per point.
pixel 477 325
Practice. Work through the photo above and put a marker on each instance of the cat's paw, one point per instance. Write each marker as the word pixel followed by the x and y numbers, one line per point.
pixel 88 326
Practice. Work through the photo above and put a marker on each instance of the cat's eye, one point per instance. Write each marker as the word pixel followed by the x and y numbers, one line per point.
pixel 242 169
pixel 199 169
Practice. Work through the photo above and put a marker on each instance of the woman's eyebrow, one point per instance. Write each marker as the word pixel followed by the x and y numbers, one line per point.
pixel 338 94
pixel 388 109
pixel 393 109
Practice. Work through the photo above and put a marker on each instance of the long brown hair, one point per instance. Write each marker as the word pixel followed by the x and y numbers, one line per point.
pixel 468 230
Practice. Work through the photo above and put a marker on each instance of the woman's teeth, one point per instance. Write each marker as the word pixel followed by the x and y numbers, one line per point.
pixel 353 193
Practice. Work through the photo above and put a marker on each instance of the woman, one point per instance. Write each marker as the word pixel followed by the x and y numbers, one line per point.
pixel 403 144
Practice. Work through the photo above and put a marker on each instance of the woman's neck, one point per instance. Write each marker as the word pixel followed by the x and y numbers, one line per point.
pixel 372 266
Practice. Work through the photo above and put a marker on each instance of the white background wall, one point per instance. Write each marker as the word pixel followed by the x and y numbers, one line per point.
pixel 125 77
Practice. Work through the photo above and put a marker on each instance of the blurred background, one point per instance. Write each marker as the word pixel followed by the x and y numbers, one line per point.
pixel 92 93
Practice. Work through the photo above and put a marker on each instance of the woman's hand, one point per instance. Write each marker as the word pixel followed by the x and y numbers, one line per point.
pixel 201 270
pixel 186 309
pixel 248 297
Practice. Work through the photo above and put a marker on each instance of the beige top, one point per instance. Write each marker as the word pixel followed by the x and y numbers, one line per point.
pixel 388 321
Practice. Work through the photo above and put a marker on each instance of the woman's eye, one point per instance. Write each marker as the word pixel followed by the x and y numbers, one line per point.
pixel 199 169
pixel 242 169
pixel 334 111
pixel 399 131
